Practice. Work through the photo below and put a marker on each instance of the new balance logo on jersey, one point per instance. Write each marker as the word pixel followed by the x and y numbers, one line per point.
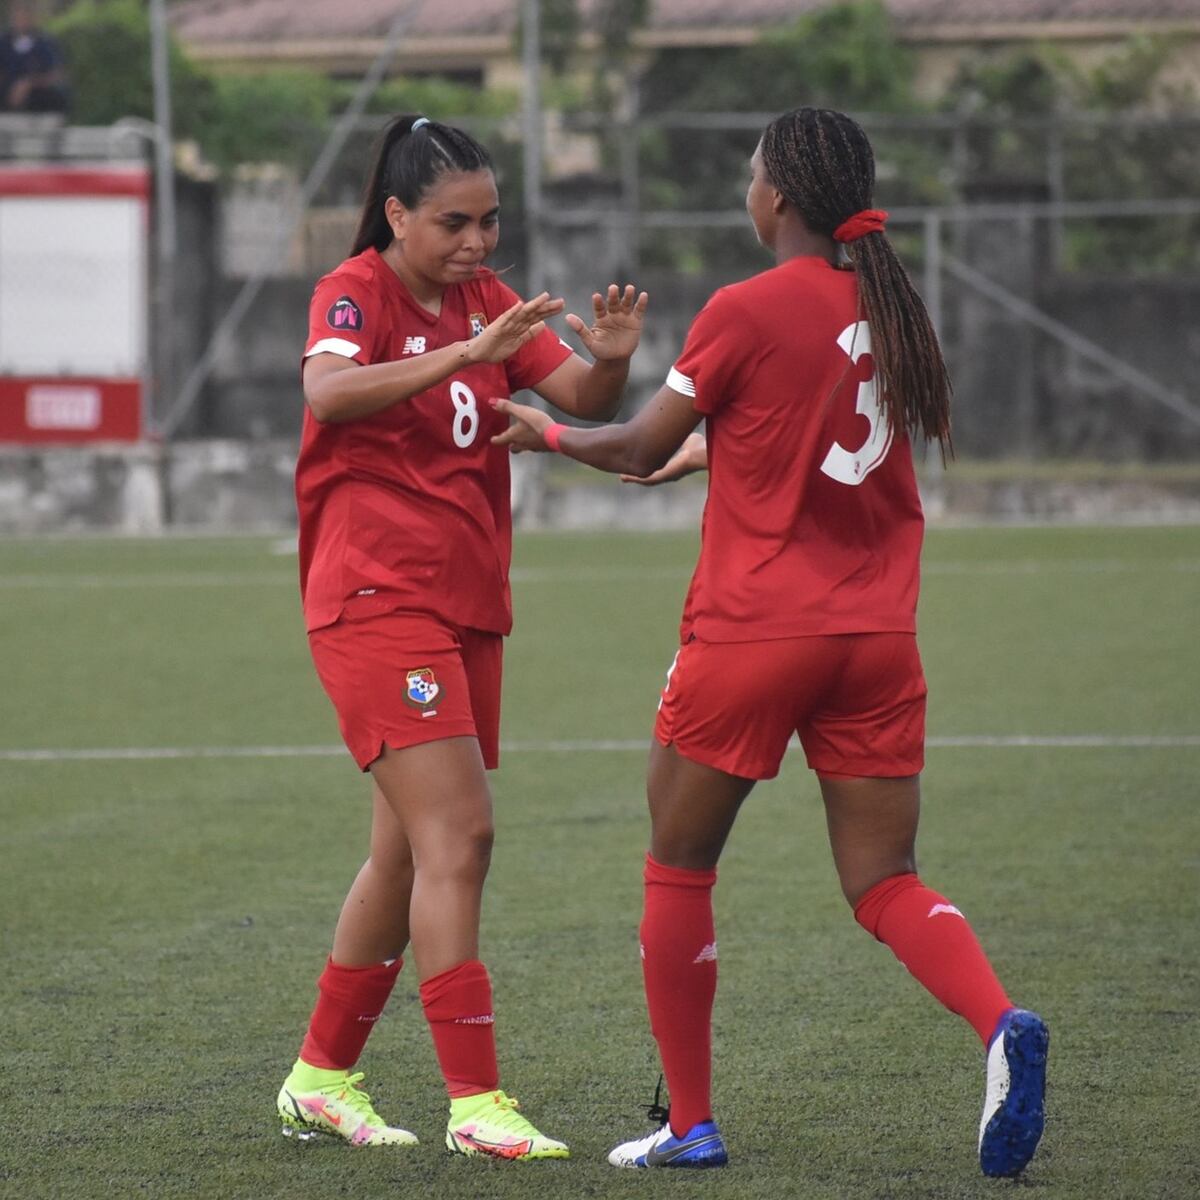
pixel 413 345
pixel 708 954
pixel 943 908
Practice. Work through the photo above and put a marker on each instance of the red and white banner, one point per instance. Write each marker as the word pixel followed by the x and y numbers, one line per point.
pixel 70 409
pixel 73 302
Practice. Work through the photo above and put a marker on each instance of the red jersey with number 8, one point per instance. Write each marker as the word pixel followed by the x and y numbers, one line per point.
pixel 409 508
pixel 813 523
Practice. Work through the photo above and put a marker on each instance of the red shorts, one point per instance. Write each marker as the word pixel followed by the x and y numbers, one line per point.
pixel 856 700
pixel 405 678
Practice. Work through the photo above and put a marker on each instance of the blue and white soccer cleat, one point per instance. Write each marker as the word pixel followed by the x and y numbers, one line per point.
pixel 701 1146
pixel 1014 1112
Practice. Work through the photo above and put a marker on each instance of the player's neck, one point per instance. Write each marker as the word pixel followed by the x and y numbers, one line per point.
pixel 794 239
pixel 427 293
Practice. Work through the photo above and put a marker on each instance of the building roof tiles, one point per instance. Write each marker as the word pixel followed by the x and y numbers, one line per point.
pixel 216 21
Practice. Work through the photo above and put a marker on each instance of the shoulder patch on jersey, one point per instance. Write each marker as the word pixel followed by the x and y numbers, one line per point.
pixel 344 314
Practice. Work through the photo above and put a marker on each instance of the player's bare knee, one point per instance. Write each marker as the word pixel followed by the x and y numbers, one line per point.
pixel 466 858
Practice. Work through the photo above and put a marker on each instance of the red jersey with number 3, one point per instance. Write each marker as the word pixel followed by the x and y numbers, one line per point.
pixel 813 523
pixel 409 508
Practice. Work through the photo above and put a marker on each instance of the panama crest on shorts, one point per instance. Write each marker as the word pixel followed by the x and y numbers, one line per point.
pixel 421 689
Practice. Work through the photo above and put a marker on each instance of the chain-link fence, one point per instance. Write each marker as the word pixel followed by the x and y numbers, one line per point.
pixel 1055 256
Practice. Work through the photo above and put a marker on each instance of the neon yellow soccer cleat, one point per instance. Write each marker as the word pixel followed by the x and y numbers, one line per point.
pixel 313 1101
pixel 489 1124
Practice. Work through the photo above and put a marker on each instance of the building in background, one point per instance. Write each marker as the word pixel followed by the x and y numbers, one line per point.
pixel 475 41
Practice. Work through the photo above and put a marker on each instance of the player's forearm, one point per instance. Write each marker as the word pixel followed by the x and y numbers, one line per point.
pixel 353 394
pixel 617 449
pixel 600 391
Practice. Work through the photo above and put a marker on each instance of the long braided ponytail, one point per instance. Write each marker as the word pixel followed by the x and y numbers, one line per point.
pixel 822 163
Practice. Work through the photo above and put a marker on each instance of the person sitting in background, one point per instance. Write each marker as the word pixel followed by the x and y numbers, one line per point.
pixel 32 78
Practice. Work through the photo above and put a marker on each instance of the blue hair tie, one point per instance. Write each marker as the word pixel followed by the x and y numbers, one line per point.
pixel 418 123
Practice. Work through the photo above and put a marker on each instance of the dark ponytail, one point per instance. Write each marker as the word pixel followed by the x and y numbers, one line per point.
pixel 822 163
pixel 406 165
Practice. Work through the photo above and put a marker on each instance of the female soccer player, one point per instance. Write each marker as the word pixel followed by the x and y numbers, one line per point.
pixel 801 614
pixel 405 534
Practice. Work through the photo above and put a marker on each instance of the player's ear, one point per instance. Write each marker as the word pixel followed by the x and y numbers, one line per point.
pixel 778 201
pixel 396 216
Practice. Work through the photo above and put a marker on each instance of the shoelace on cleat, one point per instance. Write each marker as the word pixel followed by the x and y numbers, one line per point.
pixel 350 1094
pixel 656 1111
pixel 504 1115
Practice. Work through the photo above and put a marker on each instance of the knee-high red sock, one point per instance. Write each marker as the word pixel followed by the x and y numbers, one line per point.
pixel 679 965
pixel 458 1007
pixel 933 940
pixel 350 1001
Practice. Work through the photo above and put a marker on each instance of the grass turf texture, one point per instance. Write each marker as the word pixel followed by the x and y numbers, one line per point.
pixel 164 921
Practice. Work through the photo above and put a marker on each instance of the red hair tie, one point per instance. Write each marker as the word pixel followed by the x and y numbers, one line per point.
pixel 870 220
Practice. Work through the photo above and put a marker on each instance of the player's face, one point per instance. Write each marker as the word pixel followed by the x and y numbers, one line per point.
pixel 760 196
pixel 454 228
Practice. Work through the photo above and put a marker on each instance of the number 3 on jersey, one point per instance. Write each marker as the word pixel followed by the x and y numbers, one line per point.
pixel 466 414
pixel 853 466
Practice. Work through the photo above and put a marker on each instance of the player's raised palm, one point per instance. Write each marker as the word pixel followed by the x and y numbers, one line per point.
pixel 513 328
pixel 616 326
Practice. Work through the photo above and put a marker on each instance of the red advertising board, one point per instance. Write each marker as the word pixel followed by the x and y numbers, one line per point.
pixel 70 409
pixel 73 302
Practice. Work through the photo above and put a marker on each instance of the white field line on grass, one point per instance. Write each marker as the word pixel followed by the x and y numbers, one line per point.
pixel 589 574
pixel 582 745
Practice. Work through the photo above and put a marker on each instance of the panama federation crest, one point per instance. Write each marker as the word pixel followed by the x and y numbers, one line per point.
pixel 478 322
pixel 421 689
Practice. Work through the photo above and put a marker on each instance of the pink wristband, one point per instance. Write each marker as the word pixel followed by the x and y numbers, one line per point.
pixel 551 434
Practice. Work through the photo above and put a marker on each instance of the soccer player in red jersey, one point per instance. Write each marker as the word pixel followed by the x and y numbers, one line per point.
pixel 801 615
pixel 405 533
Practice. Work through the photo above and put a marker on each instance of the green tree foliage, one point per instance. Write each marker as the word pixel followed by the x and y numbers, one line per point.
pixel 844 56
pixel 442 99
pixel 107 48
pixel 560 29
pixel 1108 124
pixel 277 115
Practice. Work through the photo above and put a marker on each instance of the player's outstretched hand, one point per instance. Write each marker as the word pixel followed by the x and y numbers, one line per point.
pixel 513 328
pixel 616 326
pixel 691 456
pixel 527 428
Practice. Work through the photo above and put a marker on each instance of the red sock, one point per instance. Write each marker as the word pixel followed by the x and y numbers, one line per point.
pixel 351 1000
pixel 933 940
pixel 679 965
pixel 458 1007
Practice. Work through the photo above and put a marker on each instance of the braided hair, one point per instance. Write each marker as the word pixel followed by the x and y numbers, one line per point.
pixel 822 163
pixel 407 163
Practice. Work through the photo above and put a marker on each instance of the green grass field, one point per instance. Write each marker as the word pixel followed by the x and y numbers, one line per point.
pixel 164 917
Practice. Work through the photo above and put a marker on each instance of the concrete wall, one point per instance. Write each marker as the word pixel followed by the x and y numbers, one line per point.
pixel 226 486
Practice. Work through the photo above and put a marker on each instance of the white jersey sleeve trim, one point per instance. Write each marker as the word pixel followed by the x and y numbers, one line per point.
pixel 679 382
pixel 340 346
